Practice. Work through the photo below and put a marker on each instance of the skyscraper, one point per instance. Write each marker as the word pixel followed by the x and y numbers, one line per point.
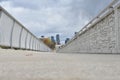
pixel 52 39
pixel 58 39
pixel 67 39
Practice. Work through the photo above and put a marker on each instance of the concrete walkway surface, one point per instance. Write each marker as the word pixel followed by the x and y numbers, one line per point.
pixel 29 65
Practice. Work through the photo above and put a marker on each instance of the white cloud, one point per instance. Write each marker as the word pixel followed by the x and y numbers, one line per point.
pixel 49 17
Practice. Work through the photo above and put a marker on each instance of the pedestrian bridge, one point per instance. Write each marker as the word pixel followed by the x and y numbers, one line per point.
pixel 101 35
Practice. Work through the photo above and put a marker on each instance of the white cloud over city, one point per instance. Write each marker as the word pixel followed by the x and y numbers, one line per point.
pixel 51 17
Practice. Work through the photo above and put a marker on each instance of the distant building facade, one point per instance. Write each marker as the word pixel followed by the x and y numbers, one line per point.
pixel 67 39
pixel 52 39
pixel 58 39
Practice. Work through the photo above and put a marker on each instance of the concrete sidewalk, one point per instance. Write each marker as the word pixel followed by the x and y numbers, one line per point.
pixel 28 65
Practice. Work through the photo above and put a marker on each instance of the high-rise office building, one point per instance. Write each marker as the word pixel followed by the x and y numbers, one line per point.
pixel 58 39
pixel 67 39
pixel 52 39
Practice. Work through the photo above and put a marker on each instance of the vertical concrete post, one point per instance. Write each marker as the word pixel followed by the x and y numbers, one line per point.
pixel 33 44
pixel 20 38
pixel 39 45
pixel 26 40
pixel 116 29
pixel 30 42
pixel 0 30
pixel 11 35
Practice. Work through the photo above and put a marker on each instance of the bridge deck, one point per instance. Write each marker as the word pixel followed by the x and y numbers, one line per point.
pixel 28 65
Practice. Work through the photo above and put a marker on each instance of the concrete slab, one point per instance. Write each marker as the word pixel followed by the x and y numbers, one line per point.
pixel 28 65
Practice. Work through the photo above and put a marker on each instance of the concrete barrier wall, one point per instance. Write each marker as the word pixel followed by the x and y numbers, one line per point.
pixel 28 41
pixel 102 35
pixel 5 29
pixel 23 39
pixel 14 35
pixel 118 29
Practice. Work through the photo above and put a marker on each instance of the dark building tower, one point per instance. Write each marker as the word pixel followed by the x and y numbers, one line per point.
pixel 52 39
pixel 67 39
pixel 58 39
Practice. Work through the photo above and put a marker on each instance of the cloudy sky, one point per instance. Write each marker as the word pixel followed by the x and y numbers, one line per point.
pixel 51 17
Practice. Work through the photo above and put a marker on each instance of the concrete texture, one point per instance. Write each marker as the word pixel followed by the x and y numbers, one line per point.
pixel 28 65
pixel 101 36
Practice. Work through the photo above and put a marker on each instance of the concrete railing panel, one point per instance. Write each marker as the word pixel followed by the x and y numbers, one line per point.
pixel 16 35
pixel 23 39
pixel 28 41
pixel 34 44
pixel 6 24
pixel 31 43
